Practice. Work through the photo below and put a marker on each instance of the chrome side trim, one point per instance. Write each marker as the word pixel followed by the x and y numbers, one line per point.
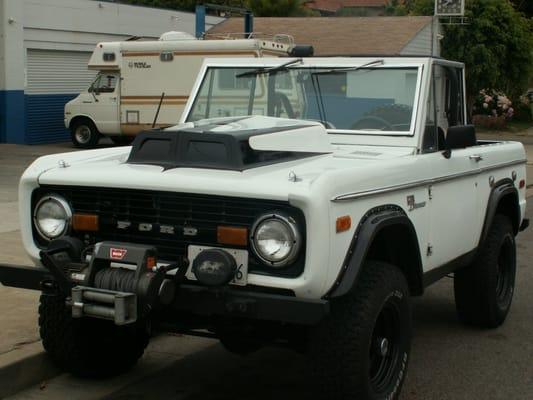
pixel 424 182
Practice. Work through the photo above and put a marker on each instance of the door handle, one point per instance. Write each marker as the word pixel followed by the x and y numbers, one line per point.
pixel 476 157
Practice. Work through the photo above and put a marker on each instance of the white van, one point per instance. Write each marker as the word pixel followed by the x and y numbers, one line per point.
pixel 145 84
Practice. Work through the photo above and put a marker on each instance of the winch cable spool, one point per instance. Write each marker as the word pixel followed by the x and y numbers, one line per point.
pixel 116 279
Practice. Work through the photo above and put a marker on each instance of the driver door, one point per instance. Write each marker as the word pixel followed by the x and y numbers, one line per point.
pixel 454 217
pixel 103 102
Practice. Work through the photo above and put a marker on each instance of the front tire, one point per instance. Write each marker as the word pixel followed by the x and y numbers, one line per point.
pixel 361 350
pixel 84 134
pixel 88 347
pixel 484 290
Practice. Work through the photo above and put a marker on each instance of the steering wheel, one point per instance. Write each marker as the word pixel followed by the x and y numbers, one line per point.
pixel 281 100
pixel 378 122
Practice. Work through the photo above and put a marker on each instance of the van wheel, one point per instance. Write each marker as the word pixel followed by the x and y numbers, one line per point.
pixel 484 290
pixel 122 140
pixel 84 134
pixel 88 347
pixel 361 350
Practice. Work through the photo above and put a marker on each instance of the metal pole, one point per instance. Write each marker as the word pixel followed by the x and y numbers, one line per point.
pixel 248 23
pixel 158 108
pixel 433 28
pixel 200 20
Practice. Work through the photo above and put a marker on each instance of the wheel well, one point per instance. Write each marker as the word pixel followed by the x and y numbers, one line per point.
pixel 397 245
pixel 508 206
pixel 78 119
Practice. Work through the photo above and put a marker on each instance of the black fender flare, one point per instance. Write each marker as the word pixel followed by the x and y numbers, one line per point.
pixel 371 224
pixel 500 189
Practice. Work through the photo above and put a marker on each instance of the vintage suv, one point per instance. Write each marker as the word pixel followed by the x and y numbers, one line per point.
pixel 298 202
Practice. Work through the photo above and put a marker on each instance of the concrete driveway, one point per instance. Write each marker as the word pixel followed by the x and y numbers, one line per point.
pixel 449 361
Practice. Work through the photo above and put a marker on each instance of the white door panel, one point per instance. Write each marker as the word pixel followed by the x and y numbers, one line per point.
pixel 454 212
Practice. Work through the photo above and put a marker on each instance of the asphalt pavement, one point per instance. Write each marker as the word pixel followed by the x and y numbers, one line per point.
pixel 448 360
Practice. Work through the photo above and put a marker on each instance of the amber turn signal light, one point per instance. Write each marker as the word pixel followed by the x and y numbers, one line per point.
pixel 344 223
pixel 232 235
pixel 85 222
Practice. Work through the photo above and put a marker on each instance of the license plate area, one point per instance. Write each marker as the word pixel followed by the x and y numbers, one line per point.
pixel 241 259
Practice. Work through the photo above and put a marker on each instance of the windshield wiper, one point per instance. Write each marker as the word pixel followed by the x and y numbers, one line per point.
pixel 269 70
pixel 341 70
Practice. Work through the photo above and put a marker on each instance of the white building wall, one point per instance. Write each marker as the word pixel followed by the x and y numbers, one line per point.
pixel 12 56
pixel 421 43
pixel 80 24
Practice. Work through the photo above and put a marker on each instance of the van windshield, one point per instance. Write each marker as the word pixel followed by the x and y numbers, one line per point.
pixel 365 100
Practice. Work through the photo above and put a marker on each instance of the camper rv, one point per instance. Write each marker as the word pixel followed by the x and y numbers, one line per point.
pixel 145 84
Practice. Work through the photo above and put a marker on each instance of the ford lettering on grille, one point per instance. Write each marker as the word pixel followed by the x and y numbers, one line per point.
pixel 164 229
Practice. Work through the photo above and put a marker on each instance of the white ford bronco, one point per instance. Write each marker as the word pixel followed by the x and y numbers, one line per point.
pixel 299 202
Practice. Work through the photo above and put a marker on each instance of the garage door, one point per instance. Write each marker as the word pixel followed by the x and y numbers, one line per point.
pixel 52 79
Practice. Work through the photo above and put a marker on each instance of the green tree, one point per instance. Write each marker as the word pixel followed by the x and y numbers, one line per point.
pixel 184 5
pixel 396 7
pixel 276 8
pixel 260 8
pixel 496 45
pixel 524 6
pixel 410 7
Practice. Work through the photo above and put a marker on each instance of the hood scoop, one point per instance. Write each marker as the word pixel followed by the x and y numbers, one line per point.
pixel 206 145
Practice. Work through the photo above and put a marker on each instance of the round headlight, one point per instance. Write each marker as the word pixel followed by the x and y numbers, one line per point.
pixel 276 239
pixel 52 217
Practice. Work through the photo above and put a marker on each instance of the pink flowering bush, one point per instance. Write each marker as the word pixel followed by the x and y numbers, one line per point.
pixel 493 103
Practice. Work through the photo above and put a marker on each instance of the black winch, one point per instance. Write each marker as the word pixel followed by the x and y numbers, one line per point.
pixel 122 281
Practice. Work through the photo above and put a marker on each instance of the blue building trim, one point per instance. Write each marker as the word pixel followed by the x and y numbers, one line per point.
pixel 12 113
pixel 44 118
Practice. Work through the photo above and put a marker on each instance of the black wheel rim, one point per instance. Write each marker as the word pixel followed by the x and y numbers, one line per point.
pixel 385 347
pixel 504 273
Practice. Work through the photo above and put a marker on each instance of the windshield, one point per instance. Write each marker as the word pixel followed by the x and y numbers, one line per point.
pixel 371 100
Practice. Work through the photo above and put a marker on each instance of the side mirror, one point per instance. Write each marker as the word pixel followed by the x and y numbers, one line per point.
pixel 459 137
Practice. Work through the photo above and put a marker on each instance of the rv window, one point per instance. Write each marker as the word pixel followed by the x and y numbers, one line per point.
pixel 109 57
pixel 166 56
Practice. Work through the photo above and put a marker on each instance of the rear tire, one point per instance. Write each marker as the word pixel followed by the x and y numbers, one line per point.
pixel 84 134
pixel 484 290
pixel 88 347
pixel 361 350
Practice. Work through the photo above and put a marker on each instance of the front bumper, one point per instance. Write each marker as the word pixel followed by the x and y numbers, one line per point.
pixel 202 301
pixel 233 303
pixel 23 277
